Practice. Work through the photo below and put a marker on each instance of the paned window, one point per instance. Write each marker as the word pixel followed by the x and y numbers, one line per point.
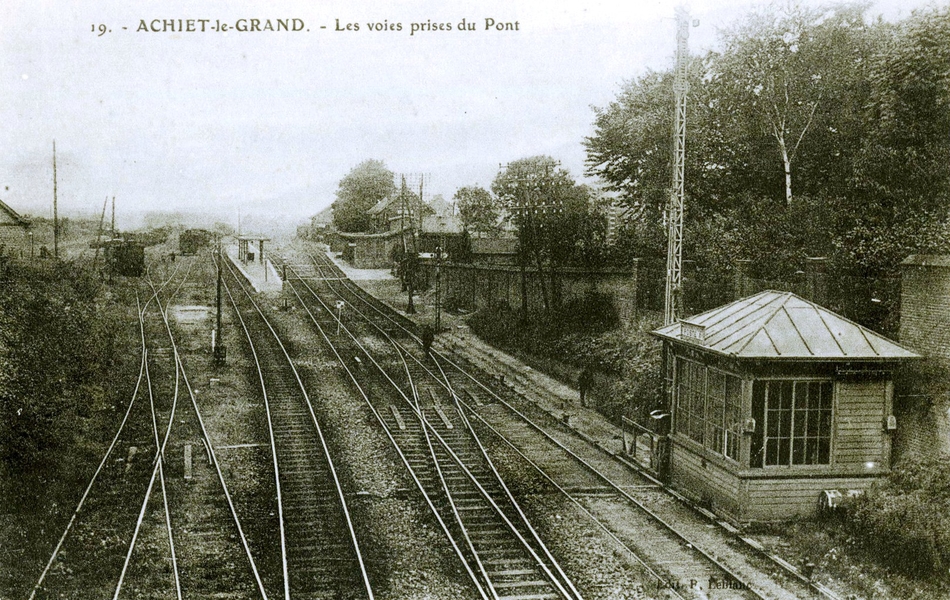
pixel 709 405
pixel 797 429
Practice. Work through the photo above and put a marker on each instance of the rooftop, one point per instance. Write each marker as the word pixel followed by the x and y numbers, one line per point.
pixel 927 260
pixel 8 216
pixel 781 325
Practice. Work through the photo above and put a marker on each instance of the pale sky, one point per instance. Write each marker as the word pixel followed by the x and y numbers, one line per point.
pixel 269 122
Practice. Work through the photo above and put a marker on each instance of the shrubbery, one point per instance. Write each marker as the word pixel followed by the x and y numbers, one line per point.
pixel 585 333
pixel 905 520
pixel 58 342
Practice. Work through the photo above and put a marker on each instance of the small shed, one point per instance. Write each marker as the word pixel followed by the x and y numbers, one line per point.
pixel 774 400
pixel 246 248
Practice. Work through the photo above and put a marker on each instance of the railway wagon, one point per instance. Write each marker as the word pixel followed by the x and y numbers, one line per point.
pixel 191 241
pixel 126 258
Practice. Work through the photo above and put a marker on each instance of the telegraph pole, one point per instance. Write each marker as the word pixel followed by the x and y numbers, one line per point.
pixel 55 208
pixel 528 206
pixel 220 352
pixel 673 308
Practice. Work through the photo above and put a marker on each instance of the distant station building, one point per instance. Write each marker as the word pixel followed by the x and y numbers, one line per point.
pixel 14 232
pixel 774 400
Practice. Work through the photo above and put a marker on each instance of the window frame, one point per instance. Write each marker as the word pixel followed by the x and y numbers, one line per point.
pixel 794 440
pixel 714 435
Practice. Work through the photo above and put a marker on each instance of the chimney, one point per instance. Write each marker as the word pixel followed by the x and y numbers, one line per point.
pixel 816 280
pixel 740 275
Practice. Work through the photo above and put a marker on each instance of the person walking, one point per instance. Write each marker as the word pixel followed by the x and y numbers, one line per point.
pixel 428 336
pixel 584 383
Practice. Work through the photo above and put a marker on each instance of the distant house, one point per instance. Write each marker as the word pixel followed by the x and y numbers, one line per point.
pixel 14 232
pixel 774 401
pixel 320 224
pixel 443 230
pixel 399 212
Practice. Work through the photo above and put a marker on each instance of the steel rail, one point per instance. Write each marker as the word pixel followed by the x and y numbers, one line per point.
pixel 445 486
pixel 157 469
pixel 553 579
pixel 319 431
pixel 652 514
pixel 564 583
pixel 273 446
pixel 455 398
pixel 140 311
pixel 826 593
pixel 213 459
pixel 461 403
pixel 410 469
pixel 662 581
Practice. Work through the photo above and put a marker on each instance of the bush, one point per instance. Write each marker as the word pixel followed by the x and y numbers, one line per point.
pixel 585 334
pixel 58 346
pixel 905 520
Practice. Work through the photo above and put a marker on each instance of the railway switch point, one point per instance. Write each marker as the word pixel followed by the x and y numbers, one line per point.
pixel 398 417
pixel 445 419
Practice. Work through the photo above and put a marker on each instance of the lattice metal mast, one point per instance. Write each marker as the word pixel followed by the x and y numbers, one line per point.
pixel 673 308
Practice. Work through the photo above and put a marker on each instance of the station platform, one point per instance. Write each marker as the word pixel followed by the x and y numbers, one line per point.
pixel 360 274
pixel 263 277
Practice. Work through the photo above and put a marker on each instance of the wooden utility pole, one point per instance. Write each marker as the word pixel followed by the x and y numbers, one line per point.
pixel 55 208
pixel 113 216
pixel 220 352
pixel 102 219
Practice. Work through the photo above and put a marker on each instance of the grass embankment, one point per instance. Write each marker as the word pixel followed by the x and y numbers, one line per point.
pixel 68 354
pixel 584 333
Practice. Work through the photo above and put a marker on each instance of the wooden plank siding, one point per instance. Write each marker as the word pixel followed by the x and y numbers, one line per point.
pixel 860 437
pixel 771 500
pixel 710 481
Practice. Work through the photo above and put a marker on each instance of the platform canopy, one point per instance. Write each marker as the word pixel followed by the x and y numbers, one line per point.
pixel 781 325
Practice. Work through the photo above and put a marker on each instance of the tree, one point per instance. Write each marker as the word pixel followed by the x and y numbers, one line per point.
pixel 478 210
pixel 552 214
pixel 631 151
pixel 903 166
pixel 778 72
pixel 365 185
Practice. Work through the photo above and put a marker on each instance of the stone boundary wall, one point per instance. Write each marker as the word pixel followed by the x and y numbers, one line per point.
pixel 476 286
pixel 923 414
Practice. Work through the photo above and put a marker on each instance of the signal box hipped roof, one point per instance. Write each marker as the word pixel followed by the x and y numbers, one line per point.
pixel 781 325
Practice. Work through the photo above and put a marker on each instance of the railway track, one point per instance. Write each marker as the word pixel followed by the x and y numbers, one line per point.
pixel 135 505
pixel 213 551
pixel 104 510
pixel 668 539
pixel 319 553
pixel 503 555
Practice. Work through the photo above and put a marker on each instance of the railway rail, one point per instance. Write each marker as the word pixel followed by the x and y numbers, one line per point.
pixel 211 537
pixel 674 553
pixel 319 552
pixel 118 507
pixel 95 513
pixel 503 555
